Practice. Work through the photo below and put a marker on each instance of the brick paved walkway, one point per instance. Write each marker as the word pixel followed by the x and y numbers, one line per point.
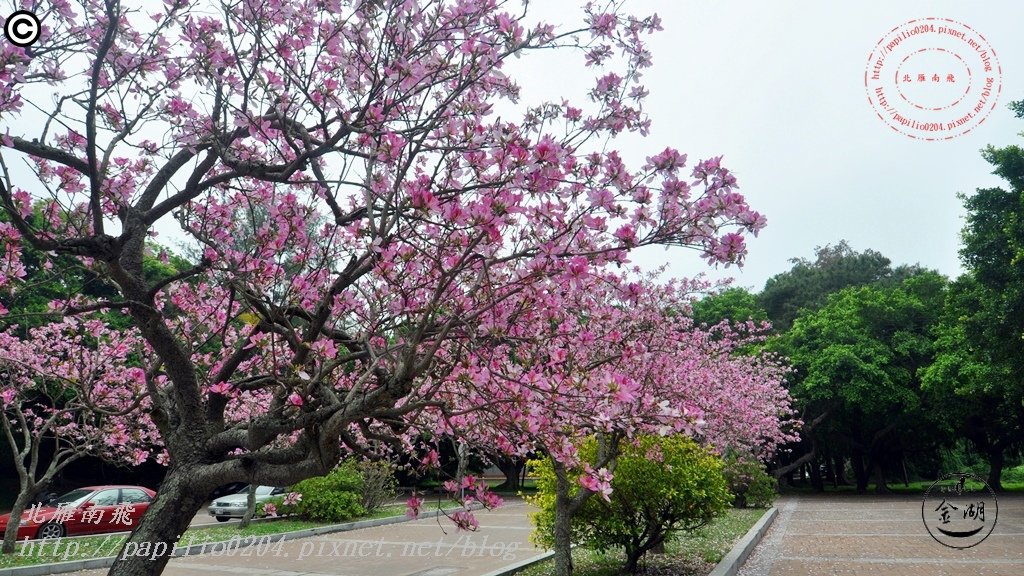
pixel 853 535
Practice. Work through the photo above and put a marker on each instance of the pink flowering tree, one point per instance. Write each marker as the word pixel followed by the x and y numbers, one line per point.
pixel 357 207
pixel 595 354
pixel 69 384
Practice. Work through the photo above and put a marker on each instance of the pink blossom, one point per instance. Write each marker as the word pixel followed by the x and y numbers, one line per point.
pixel 627 234
pixel 412 506
pixel 431 460
pixel 489 499
pixel 139 456
pixel 376 237
pixel 599 481
pixel 465 520
pixel 221 388
pixel 603 24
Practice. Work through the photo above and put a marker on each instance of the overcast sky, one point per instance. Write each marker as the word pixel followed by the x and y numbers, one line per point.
pixel 778 89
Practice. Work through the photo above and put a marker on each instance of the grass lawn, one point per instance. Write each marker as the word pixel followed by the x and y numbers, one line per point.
pixel 67 549
pixel 687 555
pixel 921 487
pixel 528 487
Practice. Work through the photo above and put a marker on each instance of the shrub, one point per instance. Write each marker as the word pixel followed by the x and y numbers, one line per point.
pixel 749 482
pixel 335 497
pixel 281 505
pixel 276 504
pixel 660 485
pixel 544 501
pixel 1013 474
pixel 961 458
pixel 379 484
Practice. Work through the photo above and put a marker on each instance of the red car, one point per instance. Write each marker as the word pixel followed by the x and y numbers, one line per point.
pixel 89 510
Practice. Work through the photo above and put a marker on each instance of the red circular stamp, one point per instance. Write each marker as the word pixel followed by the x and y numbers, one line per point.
pixel 933 79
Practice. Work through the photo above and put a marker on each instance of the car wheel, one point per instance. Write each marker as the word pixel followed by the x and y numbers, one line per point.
pixel 50 530
pixel 222 518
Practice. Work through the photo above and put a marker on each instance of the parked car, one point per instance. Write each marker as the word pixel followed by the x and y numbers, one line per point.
pixel 88 510
pixel 233 506
pixel 227 490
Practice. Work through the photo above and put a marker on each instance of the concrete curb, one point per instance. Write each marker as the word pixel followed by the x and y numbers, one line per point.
pixel 508 570
pixel 729 565
pixel 235 543
pixel 732 561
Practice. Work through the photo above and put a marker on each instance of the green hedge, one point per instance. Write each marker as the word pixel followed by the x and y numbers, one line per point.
pixel 335 497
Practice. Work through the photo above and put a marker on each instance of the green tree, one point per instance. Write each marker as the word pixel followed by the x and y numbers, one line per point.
pixel 53 276
pixel 735 304
pixel 984 395
pixel 1018 108
pixel 808 283
pixel 661 485
pixel 981 338
pixel 858 362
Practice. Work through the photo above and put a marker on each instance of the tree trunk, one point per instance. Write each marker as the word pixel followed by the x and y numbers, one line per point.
pixel 462 453
pixel 786 470
pixel 816 481
pixel 511 468
pixel 566 506
pixel 149 546
pixel 250 507
pixel 861 474
pixel 633 557
pixel 995 469
pixel 640 547
pixel 839 467
pixel 563 526
pixel 880 486
pixel 11 534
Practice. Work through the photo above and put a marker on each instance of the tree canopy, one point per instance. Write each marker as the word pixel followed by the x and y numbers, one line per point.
pixel 366 226
pixel 981 339
pixel 858 359
pixel 809 282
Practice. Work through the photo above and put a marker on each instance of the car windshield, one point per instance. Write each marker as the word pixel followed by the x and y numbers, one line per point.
pixel 260 490
pixel 74 498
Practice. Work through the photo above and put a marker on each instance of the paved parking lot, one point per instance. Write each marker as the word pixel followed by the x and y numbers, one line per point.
pixel 813 535
pixel 424 547
pixel 858 535
pixel 203 517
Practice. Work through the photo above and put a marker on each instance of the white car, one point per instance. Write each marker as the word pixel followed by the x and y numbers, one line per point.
pixel 233 505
